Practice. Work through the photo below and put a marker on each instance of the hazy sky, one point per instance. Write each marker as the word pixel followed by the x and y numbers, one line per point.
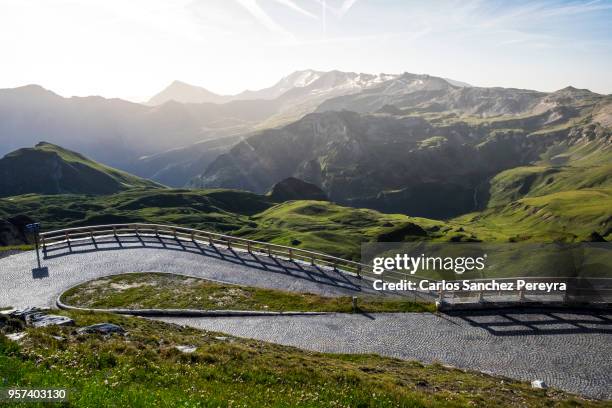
pixel 133 48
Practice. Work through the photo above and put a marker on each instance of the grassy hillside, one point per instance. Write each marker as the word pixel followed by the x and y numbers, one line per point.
pixel 50 169
pixel 221 210
pixel 338 230
pixel 126 179
pixel 321 225
pixel 568 216
pixel 586 165
pixel 315 225
pixel 144 369
pixel 567 195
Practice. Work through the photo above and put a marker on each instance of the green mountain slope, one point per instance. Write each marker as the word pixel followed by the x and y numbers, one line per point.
pixel 565 196
pixel 337 230
pixel 314 225
pixel 572 215
pixel 428 152
pixel 587 164
pixel 50 169
pixel 219 210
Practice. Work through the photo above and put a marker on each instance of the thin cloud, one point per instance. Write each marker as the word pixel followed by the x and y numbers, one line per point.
pixel 290 4
pixel 575 8
pixel 262 17
pixel 540 11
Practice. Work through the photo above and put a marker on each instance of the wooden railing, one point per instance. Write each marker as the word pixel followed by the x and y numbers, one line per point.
pixel 70 236
pixel 75 236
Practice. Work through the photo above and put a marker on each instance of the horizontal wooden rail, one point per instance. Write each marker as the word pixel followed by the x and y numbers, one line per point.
pixel 69 236
pixel 72 235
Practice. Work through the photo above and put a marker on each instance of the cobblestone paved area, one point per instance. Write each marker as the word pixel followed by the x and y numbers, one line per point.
pixel 571 351
pixel 567 350
pixel 20 286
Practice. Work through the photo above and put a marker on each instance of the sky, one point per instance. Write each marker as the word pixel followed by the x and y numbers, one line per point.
pixel 132 49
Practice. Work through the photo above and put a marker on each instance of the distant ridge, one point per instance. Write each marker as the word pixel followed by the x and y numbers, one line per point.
pixel 179 91
pixel 182 92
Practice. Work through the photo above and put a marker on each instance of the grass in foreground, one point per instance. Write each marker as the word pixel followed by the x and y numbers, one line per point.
pixel 144 369
pixel 166 291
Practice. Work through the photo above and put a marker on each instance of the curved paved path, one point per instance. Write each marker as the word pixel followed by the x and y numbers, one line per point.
pixel 567 350
pixel 21 287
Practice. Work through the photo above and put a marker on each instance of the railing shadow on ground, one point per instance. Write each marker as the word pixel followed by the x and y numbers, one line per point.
pixel 298 270
pixel 545 321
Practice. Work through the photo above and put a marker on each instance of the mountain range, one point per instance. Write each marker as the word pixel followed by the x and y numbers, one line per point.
pixel 182 92
pixel 411 142
pixel 564 203
pixel 126 135
pixel 392 142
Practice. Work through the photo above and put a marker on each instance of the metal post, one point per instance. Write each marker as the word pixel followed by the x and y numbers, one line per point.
pixel 37 254
pixel 354 303
pixel 35 229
